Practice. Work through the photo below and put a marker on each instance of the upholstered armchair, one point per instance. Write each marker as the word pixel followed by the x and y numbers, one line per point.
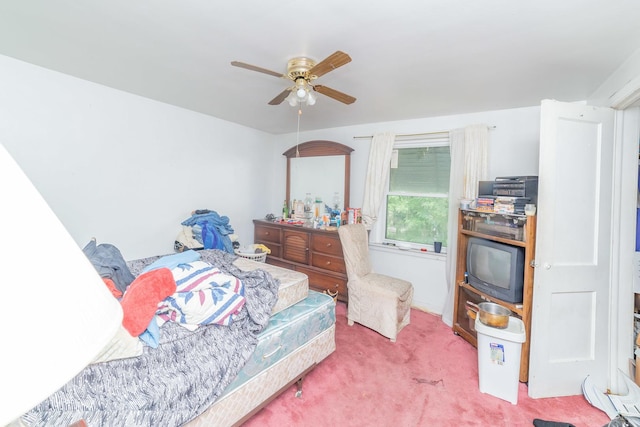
pixel 379 302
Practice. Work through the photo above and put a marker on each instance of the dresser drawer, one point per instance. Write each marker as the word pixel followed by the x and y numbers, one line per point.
pixel 325 282
pixel 327 244
pixel 276 250
pixel 328 262
pixel 265 233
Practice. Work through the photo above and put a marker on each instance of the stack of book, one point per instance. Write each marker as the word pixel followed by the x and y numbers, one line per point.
pixel 485 204
pixel 504 205
pixel 510 205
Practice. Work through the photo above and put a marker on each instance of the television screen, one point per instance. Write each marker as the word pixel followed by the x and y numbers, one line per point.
pixel 496 269
pixel 491 265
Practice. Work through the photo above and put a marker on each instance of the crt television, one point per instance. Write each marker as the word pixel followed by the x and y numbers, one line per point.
pixel 496 269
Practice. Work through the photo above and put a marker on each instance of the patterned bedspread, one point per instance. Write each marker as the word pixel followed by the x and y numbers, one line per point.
pixel 174 383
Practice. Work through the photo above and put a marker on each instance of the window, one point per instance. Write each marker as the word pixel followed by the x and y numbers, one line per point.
pixel 417 199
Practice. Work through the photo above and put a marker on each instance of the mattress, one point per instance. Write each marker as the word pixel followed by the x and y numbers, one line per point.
pixel 286 331
pixel 239 404
pixel 294 286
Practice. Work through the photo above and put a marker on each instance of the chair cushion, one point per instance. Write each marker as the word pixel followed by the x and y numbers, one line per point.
pixel 377 301
pixel 381 303
pixel 391 286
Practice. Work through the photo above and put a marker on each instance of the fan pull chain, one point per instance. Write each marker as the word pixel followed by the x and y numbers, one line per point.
pixel 298 132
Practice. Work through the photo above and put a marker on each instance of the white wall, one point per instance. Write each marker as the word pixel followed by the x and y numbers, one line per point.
pixel 513 150
pixel 125 169
pixel 513 143
pixel 623 83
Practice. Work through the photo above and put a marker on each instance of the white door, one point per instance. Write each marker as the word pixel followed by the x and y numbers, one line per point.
pixel 570 319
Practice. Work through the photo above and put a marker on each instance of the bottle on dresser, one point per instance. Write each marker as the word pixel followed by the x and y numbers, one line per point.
pixel 308 206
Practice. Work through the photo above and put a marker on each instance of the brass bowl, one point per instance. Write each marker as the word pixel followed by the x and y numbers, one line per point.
pixel 494 315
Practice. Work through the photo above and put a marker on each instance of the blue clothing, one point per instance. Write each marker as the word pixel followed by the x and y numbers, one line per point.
pixel 151 335
pixel 171 261
pixel 215 230
pixel 109 263
pixel 209 236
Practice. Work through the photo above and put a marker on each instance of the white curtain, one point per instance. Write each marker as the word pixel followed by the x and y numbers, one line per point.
pixel 469 152
pixel 377 174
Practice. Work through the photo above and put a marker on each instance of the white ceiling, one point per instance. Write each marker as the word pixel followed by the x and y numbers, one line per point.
pixel 410 59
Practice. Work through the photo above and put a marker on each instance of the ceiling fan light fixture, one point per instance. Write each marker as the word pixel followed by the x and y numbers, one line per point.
pixel 301 88
pixel 311 98
pixel 301 93
pixel 292 99
pixel 302 71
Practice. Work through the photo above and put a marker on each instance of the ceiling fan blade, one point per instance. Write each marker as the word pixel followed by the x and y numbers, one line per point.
pixel 258 69
pixel 333 61
pixel 281 97
pixel 332 93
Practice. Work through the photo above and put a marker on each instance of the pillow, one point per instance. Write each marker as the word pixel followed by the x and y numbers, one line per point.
pixel 140 301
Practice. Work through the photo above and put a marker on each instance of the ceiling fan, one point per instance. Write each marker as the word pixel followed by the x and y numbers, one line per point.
pixel 302 71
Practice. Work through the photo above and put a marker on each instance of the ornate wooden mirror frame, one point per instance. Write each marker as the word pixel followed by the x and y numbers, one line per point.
pixel 318 148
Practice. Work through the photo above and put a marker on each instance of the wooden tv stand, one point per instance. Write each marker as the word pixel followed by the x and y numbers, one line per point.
pixel 521 231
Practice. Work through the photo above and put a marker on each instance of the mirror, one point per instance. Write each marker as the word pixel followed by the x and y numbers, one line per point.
pixel 318 176
pixel 321 168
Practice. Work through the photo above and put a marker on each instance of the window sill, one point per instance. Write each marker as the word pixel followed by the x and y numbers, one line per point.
pixel 379 247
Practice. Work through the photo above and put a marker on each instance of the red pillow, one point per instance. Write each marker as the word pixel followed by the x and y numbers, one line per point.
pixel 141 299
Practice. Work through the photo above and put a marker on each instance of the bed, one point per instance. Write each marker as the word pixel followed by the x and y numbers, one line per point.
pixel 215 375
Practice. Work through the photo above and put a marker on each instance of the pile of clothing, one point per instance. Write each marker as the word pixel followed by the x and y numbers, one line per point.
pixel 205 229
pixel 180 288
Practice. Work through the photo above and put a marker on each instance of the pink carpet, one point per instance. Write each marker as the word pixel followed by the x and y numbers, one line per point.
pixel 429 377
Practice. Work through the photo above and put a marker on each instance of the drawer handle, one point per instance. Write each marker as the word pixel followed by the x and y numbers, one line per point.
pixel 266 233
pixel 333 295
pixel 328 262
pixel 328 245
pixel 266 356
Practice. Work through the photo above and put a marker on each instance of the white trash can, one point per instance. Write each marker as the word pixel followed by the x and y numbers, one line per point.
pixel 499 353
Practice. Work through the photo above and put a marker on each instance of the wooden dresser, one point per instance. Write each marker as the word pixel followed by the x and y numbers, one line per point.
pixel 316 253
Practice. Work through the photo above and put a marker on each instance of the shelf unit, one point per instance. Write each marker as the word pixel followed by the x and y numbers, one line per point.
pixel 511 229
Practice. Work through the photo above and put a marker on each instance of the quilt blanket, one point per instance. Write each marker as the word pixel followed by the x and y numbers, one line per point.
pixel 174 383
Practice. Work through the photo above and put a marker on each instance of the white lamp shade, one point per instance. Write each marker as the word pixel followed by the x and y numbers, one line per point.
pixel 291 99
pixel 311 98
pixel 57 312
